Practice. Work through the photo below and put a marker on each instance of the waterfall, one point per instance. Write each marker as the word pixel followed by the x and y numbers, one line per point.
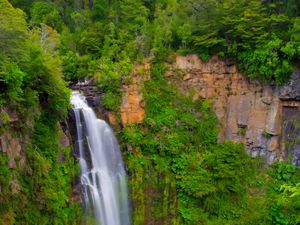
pixel 103 178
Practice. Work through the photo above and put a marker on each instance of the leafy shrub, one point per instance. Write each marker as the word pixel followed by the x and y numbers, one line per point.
pixel 111 101
pixel 71 66
pixel 11 80
pixel 45 12
pixel 209 178
pixel 283 209
pixel 270 61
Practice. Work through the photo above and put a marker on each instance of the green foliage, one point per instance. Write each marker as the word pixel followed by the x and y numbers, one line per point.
pixel 13 32
pixel 109 77
pixel 214 182
pixel 260 35
pixel 42 186
pixel 5 177
pixel 45 78
pixel 37 189
pixel 179 147
pixel 243 130
pixel 49 180
pixel 270 61
pixel 71 66
pixel 256 34
pixel 45 12
pixel 292 191
pixel 133 15
pixel 111 101
pixel 283 172
pixel 284 209
pixel 34 78
pixel 11 78
pixel 174 154
pixel 267 134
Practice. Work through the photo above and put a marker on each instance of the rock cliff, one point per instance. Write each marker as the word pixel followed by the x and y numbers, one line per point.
pixel 263 117
pixel 15 145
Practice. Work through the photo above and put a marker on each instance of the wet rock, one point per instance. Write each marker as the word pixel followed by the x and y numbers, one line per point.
pixel 246 108
pixel 64 140
pixel 12 147
pixel 76 193
pixel 291 91
pixel 93 100
pixel 3 142
pixel 15 187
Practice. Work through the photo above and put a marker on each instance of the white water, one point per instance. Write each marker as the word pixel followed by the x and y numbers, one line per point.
pixel 103 178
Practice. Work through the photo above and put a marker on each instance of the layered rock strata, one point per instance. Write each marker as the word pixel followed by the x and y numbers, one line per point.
pixel 258 115
pixel 263 117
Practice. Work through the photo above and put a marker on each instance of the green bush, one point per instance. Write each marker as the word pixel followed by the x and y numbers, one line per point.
pixel 45 12
pixel 270 61
pixel 111 101
pixel 283 209
pixel 209 178
pixel 11 80
pixel 48 181
pixel 31 84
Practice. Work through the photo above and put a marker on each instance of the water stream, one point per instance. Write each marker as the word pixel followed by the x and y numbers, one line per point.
pixel 103 178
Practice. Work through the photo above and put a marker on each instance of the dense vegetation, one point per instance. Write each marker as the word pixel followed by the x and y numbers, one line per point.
pixel 36 191
pixel 174 157
pixel 261 36
pixel 179 174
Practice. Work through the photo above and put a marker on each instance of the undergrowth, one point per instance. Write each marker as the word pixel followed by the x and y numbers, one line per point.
pixel 188 177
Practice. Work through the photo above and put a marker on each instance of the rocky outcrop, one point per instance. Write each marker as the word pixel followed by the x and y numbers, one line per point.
pixel 132 107
pixel 249 111
pixel 263 117
pixel 12 147
pixel 10 141
pixel 94 100
pixel 291 91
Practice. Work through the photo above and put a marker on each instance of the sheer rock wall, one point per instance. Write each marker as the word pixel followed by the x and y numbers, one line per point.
pixel 249 111
pixel 261 116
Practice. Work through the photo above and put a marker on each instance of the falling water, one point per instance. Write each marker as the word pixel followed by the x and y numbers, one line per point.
pixel 103 179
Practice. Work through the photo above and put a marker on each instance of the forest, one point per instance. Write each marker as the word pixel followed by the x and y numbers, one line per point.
pixel 46 46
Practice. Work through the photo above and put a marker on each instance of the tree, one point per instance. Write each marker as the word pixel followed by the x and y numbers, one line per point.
pixel 133 15
pixel 13 31
pixel 45 12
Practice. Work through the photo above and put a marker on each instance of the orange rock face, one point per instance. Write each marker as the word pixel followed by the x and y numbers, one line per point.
pixel 132 108
pixel 249 111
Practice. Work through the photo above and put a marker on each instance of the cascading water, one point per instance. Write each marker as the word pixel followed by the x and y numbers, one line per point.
pixel 103 178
